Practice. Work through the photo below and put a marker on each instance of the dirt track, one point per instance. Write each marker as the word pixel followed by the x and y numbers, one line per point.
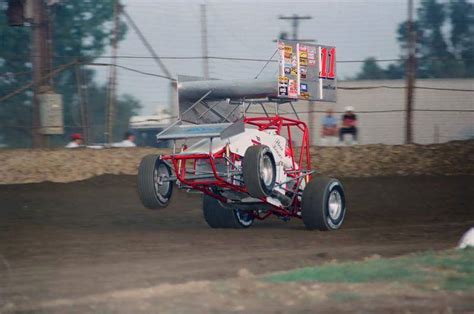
pixel 90 237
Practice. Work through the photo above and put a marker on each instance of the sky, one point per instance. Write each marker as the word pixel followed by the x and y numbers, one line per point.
pixel 246 29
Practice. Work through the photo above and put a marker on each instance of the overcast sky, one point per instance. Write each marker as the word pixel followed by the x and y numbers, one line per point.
pixel 357 28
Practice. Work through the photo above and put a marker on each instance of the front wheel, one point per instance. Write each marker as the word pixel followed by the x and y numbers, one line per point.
pixel 218 216
pixel 259 171
pixel 323 206
pixel 154 185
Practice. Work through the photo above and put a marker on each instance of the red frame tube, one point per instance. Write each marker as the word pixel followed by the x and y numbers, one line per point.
pixel 277 123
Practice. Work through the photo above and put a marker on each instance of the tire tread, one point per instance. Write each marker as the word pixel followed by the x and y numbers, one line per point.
pixel 312 204
pixel 251 178
pixel 216 216
pixel 145 184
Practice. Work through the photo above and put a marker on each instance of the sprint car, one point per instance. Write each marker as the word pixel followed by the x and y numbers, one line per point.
pixel 249 167
pixel 247 171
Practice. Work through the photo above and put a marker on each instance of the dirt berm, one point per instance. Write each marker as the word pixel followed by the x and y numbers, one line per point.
pixel 62 165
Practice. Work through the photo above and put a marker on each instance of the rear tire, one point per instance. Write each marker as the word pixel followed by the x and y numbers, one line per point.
pixel 259 171
pixel 323 206
pixel 218 216
pixel 153 191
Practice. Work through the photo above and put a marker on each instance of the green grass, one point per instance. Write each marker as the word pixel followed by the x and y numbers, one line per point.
pixel 344 296
pixel 450 270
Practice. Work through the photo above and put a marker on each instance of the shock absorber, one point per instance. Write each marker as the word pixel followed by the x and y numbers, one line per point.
pixel 285 200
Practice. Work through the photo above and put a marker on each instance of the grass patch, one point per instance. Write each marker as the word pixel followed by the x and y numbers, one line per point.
pixel 450 270
pixel 344 296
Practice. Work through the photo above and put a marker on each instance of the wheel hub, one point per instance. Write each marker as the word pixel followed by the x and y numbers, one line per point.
pixel 159 176
pixel 266 170
pixel 245 218
pixel 335 204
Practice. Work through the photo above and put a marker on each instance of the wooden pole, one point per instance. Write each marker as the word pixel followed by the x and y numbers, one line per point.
pixel 82 103
pixel 39 61
pixel 112 95
pixel 410 75
pixel 205 60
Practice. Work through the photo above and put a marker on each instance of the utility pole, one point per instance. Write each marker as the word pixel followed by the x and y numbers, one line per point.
pixel 205 60
pixel 82 103
pixel 48 21
pixel 39 60
pixel 295 22
pixel 410 75
pixel 112 95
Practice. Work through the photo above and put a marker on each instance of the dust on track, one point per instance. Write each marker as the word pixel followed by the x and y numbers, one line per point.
pixel 90 237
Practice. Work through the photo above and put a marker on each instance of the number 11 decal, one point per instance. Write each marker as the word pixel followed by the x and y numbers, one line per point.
pixel 324 63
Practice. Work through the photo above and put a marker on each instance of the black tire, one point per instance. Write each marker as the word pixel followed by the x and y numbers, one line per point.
pixel 316 211
pixel 251 170
pixel 153 195
pixel 218 216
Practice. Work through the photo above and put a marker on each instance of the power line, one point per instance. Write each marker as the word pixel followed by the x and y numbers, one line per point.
pixel 8 74
pixel 45 77
pixel 265 65
pixel 261 112
pixel 16 56
pixel 340 87
pixel 128 69
pixel 355 88
pixel 404 87
pixel 145 42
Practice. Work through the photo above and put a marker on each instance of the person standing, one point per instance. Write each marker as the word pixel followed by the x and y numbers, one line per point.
pixel 76 141
pixel 329 130
pixel 349 124
pixel 128 140
pixel 329 123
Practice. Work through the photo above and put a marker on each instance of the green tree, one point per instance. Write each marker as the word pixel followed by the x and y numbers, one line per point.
pixel 437 60
pixel 371 70
pixel 437 54
pixel 461 14
pixel 402 37
pixel 15 113
pixel 82 30
pixel 126 106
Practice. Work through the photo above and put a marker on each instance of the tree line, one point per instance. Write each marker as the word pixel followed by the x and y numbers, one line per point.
pixel 444 43
pixel 81 29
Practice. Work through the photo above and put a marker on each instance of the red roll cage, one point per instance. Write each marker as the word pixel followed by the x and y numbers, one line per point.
pixel 300 170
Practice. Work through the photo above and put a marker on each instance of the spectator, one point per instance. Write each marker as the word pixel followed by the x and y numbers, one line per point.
pixel 128 140
pixel 329 123
pixel 76 141
pixel 349 124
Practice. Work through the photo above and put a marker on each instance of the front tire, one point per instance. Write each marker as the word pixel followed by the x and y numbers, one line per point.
pixel 218 216
pixel 323 206
pixel 259 171
pixel 154 187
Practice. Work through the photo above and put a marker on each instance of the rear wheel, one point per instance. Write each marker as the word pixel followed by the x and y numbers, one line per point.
pixel 154 187
pixel 323 206
pixel 259 171
pixel 218 216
